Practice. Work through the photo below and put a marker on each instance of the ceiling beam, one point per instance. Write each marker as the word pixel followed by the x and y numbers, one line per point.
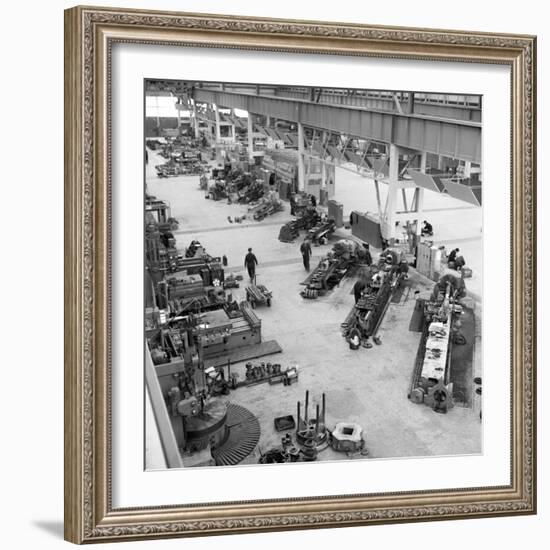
pixel 450 138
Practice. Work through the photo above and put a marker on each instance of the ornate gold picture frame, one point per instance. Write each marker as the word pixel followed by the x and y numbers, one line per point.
pixel 90 34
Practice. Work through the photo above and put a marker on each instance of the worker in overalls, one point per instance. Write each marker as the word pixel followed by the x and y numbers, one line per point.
pixel 250 262
pixel 452 257
pixel 292 204
pixel 364 255
pixel 358 288
pixel 427 229
pixel 305 249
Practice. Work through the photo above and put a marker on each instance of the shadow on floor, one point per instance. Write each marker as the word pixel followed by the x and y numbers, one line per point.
pixel 462 359
pixel 53 527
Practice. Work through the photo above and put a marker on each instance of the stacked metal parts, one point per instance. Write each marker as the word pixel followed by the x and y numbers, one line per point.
pixel 311 432
pixel 310 437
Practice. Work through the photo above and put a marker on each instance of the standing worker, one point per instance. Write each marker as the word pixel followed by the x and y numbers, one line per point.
pixel 367 255
pixel 358 288
pixel 250 262
pixel 305 249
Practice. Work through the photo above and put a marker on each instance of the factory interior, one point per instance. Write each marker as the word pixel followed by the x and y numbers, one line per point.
pixel 313 274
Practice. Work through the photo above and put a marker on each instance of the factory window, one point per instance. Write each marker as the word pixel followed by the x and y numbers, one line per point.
pixel 162 106
pixel 225 131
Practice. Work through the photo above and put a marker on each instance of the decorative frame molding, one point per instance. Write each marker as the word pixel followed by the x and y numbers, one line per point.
pixel 89 35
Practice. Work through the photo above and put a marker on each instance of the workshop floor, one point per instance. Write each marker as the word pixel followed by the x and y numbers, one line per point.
pixel 456 224
pixel 366 386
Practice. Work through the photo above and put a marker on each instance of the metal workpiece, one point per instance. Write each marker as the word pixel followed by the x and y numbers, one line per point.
pixel 311 433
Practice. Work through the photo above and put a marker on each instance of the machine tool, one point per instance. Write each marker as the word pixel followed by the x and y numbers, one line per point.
pixel 160 246
pixel 252 192
pixel 381 282
pixel 188 293
pixel 431 376
pixel 330 270
pixel 217 190
pixel 306 219
pixel 267 206
pixel 208 429
pixel 321 233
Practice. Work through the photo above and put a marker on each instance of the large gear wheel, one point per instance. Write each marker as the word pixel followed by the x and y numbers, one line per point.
pixel 244 434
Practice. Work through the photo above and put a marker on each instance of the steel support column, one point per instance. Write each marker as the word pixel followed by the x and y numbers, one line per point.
pixel 410 104
pixel 301 167
pixel 388 225
pixel 323 164
pixel 218 131
pixel 158 117
pixel 419 203
pixel 250 136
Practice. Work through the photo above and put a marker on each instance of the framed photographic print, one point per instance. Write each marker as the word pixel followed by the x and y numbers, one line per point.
pixel 300 274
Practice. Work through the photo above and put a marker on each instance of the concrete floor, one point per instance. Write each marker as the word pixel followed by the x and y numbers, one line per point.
pixel 366 386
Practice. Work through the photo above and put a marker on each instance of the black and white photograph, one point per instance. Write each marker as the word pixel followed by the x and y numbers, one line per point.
pixel 313 274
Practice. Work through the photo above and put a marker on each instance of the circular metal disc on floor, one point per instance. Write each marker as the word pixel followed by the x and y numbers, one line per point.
pixel 244 434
